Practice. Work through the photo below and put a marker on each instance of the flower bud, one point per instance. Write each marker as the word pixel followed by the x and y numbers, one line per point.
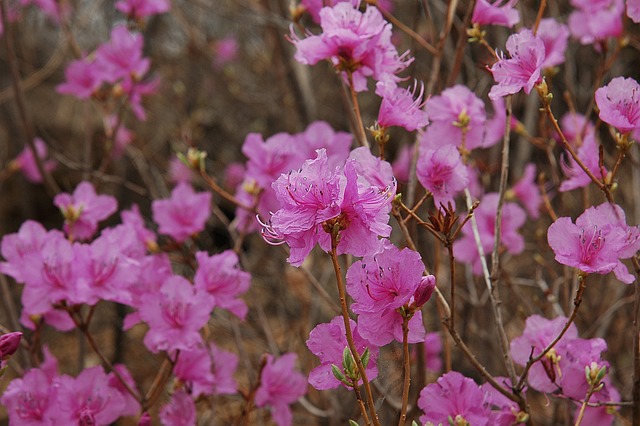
pixel 9 344
pixel 425 290
pixel 145 419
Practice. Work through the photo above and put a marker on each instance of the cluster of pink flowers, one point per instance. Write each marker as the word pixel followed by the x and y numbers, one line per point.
pixel 595 21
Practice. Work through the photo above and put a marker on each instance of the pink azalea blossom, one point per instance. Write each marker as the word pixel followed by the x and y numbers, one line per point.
pixel 136 223
pixel 121 57
pixel 83 210
pixel 399 108
pixel 139 9
pixel 9 344
pixel 31 400
pixel 496 125
pixel 523 69
pixel 496 12
pixel 184 214
pixel 596 242
pixel 380 285
pixel 280 386
pixel 595 21
pixel 180 411
pixel 527 192
pixel 26 161
pixel 402 163
pixel 454 397
pixel 23 249
pixel 555 37
pixel 327 342
pixel 207 370
pixel 442 173
pixel 619 104
pixel 221 277
pixel 82 79
pixel 433 351
pixel 503 410
pixel 357 44
pixel 589 154
pixel 175 315
pixel 633 10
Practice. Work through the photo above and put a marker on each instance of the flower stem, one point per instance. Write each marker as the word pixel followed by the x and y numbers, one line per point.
pixel 406 370
pixel 361 135
pixel 363 409
pixel 592 389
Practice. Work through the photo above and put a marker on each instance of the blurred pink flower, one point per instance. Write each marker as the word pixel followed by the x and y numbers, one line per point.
pixel 523 69
pixel 595 21
pixel 207 370
pixel 399 108
pixel 221 277
pixel 527 192
pixel 402 163
pixel 327 342
pixel 82 79
pixel 179 172
pixel 504 411
pixel 23 250
pixel 83 210
pixel 121 57
pixel 225 50
pixel 589 154
pixel 433 351
pixel 442 173
pixel 180 411
pixel 496 12
pixel 596 242
pixel 26 161
pixel 280 386
pixel 619 104
pixel 555 37
pixel 142 8
pixel 633 10
pixel 184 214
pixel 356 43
pixel 454 397
pixel 31 400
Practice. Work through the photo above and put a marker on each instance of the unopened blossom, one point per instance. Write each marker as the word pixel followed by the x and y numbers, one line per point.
pixel 9 344
pixel 523 69
pixel 619 104
pixel 633 10
pixel 221 277
pixel 207 370
pixel 596 242
pixel 83 209
pixel 555 37
pixel 175 315
pixel 442 173
pixel 139 9
pixel 26 161
pixel 184 214
pixel 357 43
pixel 457 118
pixel 527 192
pixel 328 342
pixel 380 286
pixel 595 21
pixel 454 397
pixel 496 12
pixel 280 386
pixel 401 107
pixel 180 411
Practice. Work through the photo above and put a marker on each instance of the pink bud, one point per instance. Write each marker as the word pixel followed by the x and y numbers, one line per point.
pixel 424 290
pixel 145 420
pixel 9 344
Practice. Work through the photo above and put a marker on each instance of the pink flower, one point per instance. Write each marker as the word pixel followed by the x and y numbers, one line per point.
pixel 83 210
pixel 221 277
pixel 225 50
pixel 457 117
pixel 184 214
pixel 31 400
pixel 454 397
pixel 26 161
pixel 280 386
pixel 402 163
pixel 633 10
pixel 442 173
pixel 497 12
pixel 527 192
pixel 432 351
pixel 180 411
pixel 522 70
pixel 596 242
pixel 355 42
pixel 9 344
pixel 175 315
pixel 619 104
pixel 594 21
pixel 504 411
pixel 589 154
pixel 121 57
pixel 142 8
pixel 23 249
pixel 380 285
pixel 327 342
pixel 83 78
pixel 207 370
pixel 399 108
pixel 179 172
pixel 513 217
pixel 555 37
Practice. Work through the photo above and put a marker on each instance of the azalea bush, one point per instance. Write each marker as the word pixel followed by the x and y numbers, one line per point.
pixel 324 212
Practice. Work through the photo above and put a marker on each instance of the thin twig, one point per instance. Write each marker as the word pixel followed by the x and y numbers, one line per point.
pixel 406 371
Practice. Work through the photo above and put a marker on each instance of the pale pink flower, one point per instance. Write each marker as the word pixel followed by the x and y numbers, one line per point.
pixel 207 370
pixel 619 104
pixel 402 163
pixel 527 192
pixel 401 107
pixel 184 214
pixel 121 57
pixel 589 154
pixel 496 12
pixel 31 400
pixel 280 386
pixel 523 69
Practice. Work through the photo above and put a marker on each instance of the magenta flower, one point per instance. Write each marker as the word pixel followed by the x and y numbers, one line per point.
pixel 23 249
pixel 619 104
pixel 356 43
pixel 184 214
pixel 221 277
pixel 595 21
pixel 380 285
pixel 175 315
pixel 527 192
pixel 280 386
pixel 9 344
pixel 596 242
pixel 318 135
pixel 589 154
pixel 399 108
pixel 83 210
pixel 503 410
pixel 180 411
pixel 523 69
pixel 496 124
pixel 442 173
pixel 433 351
pixel 496 12
pixel 402 163
pixel 327 342
pixel 26 162
pixel 82 79
pixel 633 10
pixel 139 9
pixel 31 400
pixel 121 57
pixel 207 370
pixel 555 37
pixel 457 398
pixel 457 117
